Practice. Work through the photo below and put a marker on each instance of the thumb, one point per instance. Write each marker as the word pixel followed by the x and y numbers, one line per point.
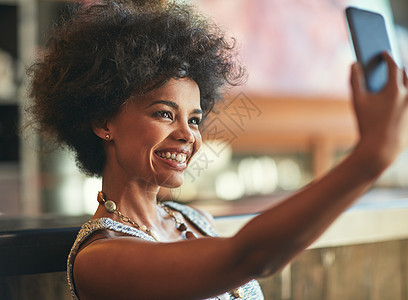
pixel 357 79
pixel 357 82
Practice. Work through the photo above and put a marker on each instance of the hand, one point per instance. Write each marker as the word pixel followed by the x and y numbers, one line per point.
pixel 382 117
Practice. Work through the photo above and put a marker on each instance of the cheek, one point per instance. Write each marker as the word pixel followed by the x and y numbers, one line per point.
pixel 149 134
pixel 138 142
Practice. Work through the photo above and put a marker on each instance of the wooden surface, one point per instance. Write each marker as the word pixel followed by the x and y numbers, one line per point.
pixel 359 272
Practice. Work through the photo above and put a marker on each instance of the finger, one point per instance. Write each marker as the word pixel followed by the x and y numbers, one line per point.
pixel 392 69
pixel 405 77
pixel 357 79
pixel 358 87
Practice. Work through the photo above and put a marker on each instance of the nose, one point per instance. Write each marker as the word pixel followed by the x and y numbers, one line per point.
pixel 184 133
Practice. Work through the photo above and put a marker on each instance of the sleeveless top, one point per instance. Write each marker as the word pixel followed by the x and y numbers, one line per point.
pixel 251 290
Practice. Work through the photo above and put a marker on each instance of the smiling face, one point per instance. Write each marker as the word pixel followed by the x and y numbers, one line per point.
pixel 154 136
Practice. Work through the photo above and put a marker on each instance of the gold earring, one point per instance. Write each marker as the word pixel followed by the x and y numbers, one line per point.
pixel 107 136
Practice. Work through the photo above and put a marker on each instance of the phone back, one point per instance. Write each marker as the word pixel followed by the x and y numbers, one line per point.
pixel 370 39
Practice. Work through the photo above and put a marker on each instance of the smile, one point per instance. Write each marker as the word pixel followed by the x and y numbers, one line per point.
pixel 176 157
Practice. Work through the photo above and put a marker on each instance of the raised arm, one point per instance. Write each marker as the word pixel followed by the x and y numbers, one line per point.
pixel 129 268
pixel 298 221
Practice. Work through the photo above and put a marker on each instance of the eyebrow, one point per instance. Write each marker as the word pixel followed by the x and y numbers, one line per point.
pixel 172 104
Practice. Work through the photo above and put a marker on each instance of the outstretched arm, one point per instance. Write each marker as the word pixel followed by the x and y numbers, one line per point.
pixel 298 221
pixel 129 268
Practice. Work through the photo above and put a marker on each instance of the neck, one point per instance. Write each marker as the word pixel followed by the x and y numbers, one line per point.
pixel 136 200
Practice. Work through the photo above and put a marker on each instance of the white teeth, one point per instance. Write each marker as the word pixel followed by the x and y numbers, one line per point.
pixel 180 157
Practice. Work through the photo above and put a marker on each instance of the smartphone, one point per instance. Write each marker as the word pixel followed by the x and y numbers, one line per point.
pixel 369 36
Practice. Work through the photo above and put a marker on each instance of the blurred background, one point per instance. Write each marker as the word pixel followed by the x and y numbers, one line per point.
pixel 289 124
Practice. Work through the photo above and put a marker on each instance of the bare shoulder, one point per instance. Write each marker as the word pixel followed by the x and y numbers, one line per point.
pixel 100 259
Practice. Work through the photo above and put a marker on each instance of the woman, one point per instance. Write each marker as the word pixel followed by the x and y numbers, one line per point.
pixel 126 88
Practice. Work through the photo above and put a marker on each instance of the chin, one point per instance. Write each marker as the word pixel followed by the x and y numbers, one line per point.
pixel 171 182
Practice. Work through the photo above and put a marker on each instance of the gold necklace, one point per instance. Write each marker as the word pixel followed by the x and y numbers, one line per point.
pixel 110 207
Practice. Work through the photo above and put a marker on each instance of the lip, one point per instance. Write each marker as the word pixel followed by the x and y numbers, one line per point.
pixel 175 165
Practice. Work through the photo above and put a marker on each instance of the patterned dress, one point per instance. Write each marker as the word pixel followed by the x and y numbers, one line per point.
pixel 250 290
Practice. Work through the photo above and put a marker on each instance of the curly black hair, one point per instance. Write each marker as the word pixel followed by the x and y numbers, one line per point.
pixel 101 55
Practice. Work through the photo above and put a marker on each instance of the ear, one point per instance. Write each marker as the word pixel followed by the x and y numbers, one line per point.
pixel 101 129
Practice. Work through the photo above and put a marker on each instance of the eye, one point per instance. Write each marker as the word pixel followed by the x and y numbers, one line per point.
pixel 195 121
pixel 163 114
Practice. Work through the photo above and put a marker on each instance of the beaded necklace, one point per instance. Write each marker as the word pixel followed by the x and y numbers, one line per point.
pixel 110 207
